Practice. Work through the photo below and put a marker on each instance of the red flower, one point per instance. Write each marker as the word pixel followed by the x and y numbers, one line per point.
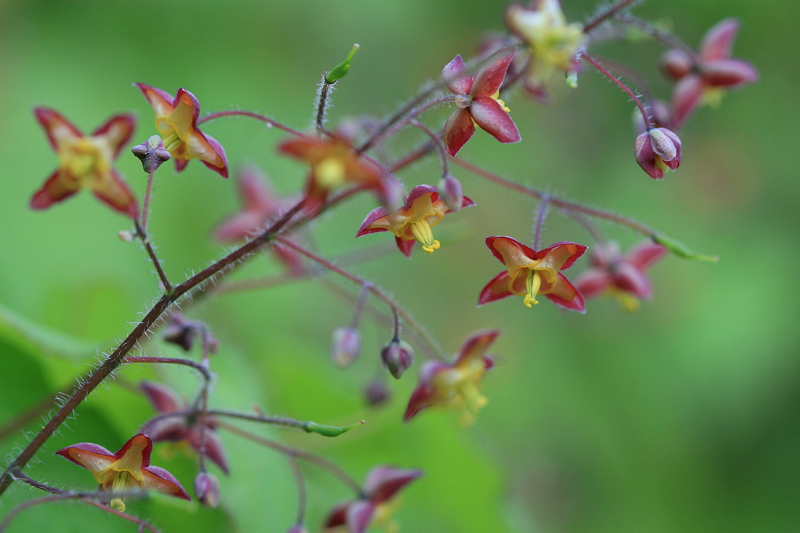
pixel 86 162
pixel 333 163
pixel 375 504
pixel 530 273
pixel 620 277
pixel 478 101
pixel 455 384
pixel 413 222
pixel 125 471
pixel 183 429
pixel 657 150
pixel 704 77
pixel 176 120
pixel 259 206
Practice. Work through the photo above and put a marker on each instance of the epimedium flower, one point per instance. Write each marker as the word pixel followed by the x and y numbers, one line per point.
pixel 657 150
pixel 704 77
pixel 413 222
pixel 182 428
pixel 478 101
pixel 377 502
pixel 553 42
pixel 455 384
pixel 530 273
pixel 86 162
pixel 176 121
pixel 260 205
pixel 622 277
pixel 334 164
pixel 126 471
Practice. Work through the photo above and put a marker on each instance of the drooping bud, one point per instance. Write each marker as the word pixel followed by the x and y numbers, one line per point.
pixel 397 356
pixel 206 488
pixel 340 71
pixel 345 346
pixel 450 191
pixel 376 393
pixel 657 150
pixel 152 153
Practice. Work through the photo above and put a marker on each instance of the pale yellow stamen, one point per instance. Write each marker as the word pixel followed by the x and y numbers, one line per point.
pixel 473 399
pixel 329 172
pixel 423 233
pixel 533 283
pixel 120 484
pixel 496 96
pixel 172 141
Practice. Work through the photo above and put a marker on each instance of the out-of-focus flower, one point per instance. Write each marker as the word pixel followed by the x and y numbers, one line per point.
pixel 259 206
pixel 657 150
pixel 377 501
pixel 345 346
pixel 455 384
pixel 206 488
pixel 176 120
pixel 181 428
pixel 478 102
pixel 413 222
pixel 334 164
pixel 704 77
pixel 553 42
pixel 620 277
pixel 126 471
pixel 86 162
pixel 530 273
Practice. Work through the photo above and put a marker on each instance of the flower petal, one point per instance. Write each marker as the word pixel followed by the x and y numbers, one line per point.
pixel 383 482
pixel 593 282
pixel 729 73
pixel 458 129
pixel 116 133
pixel 490 77
pixel 630 279
pixel 645 255
pixel 57 188
pixel 113 190
pixel 476 345
pixel 59 130
pixel 239 226
pixel 718 40
pixel 457 77
pixel 497 289
pixel 214 449
pixel 92 457
pixel 163 398
pixel 489 115
pixel 158 479
pixel 686 98
pixel 566 295
pixel 359 515
pixel 376 221
pixel 405 246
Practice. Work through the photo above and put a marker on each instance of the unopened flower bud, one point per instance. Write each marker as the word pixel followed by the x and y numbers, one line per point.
pixel 206 488
pixel 125 235
pixel 657 150
pixel 397 356
pixel 676 63
pixel 345 346
pixel 297 528
pixel 152 153
pixel 376 393
pixel 450 191
pixel 181 332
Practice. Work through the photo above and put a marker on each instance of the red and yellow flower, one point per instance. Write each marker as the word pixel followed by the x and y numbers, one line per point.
pixel 176 121
pixel 86 162
pixel 530 273
pixel 455 384
pixel 413 222
pixel 377 502
pixel 622 278
pixel 126 471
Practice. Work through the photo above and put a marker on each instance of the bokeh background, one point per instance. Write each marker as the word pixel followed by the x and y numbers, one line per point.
pixel 681 417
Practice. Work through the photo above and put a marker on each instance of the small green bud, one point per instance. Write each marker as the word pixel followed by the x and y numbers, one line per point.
pixel 680 250
pixel 329 431
pixel 340 71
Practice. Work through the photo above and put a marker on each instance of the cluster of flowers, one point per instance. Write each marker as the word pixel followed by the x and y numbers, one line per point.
pixel 551 45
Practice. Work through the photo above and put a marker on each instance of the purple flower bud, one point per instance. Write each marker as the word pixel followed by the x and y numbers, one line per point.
pixel 450 191
pixel 397 356
pixel 657 150
pixel 345 346
pixel 376 393
pixel 152 153
pixel 181 332
pixel 206 488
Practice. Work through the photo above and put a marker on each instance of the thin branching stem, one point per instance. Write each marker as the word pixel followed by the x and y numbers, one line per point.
pixel 619 84
pixel 234 113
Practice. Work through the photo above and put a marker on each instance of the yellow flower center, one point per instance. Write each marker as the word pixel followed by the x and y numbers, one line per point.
pixel 382 518
pixel 329 172
pixel 423 233
pixel 83 160
pixel 120 484
pixel 172 141
pixel 627 301
pixel 532 284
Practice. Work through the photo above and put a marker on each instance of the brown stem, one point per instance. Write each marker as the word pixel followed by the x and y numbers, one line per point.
pixel 606 14
pixel 140 232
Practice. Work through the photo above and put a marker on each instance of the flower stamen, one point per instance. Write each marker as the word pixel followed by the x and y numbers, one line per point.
pixel 424 235
pixel 533 283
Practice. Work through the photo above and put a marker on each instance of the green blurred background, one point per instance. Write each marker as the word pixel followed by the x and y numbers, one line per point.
pixel 681 417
